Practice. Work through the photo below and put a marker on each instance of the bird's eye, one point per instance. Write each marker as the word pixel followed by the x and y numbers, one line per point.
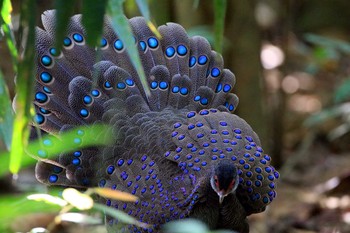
pixel 216 180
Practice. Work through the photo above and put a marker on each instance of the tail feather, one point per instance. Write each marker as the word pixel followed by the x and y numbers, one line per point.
pixel 72 86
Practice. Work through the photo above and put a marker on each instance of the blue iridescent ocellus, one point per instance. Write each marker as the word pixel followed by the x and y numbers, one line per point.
pixel 180 149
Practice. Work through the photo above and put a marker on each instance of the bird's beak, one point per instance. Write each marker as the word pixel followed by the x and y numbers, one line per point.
pixel 221 199
pixel 221 196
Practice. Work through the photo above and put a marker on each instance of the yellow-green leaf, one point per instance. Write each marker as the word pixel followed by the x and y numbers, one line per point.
pixel 77 199
pixel 47 199
pixel 115 194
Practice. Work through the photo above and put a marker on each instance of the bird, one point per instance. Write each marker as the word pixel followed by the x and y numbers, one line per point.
pixel 180 149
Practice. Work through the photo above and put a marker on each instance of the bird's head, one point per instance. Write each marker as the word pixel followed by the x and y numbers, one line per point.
pixel 224 179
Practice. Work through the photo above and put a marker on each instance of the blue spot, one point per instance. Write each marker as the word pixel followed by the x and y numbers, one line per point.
pixel 173 134
pixel 267 157
pixel 120 162
pixel 213 140
pixel 213 131
pixel 54 52
pixel 266 200
pixel 129 82
pixel 271 177
pixel 225 132
pixel 191 126
pixel 154 85
pixel 107 85
pixel 258 170
pixel 103 42
pixel 204 101
pixel 197 98
pixel 87 99
pixel 233 158
pixel 215 72
pixel 42 153
pixel 78 38
pixel 118 45
pixel 272 185
pixel 241 161
pixel 268 169
pixel 95 93
pixel 192 61
pixel 259 177
pixel 184 91
pixel 77 140
pixel 176 89
pixel 46 60
pixel 67 42
pixel 121 85
pixel 231 107
pixel 204 112
pixel 102 183
pixel 84 112
pixel 57 169
pixel 39 119
pixel 53 178
pixel 181 50
pixel 47 142
pixel 257 154
pixel 178 149
pixel 77 153
pixel 257 183
pixel 170 51
pixel 227 88
pixel 110 169
pixel 45 77
pixel 237 131
pixel 143 158
pixel 263 161
pixel 181 137
pixel 189 145
pixel 200 135
pixel 276 174
pixel 249 174
pixel 143 45
pixel 152 42
pixel 201 152
pixel 214 157
pixel 41 97
pixel 143 190
pixel 163 85
pixel 76 161
pixel 223 123
pixel 247 147
pixel 202 60
pixel 191 114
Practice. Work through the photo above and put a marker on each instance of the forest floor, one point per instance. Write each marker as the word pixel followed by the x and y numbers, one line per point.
pixel 313 197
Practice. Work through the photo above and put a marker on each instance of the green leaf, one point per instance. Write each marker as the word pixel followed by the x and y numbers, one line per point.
pixel 50 146
pixel 6 114
pixel 16 205
pixel 342 93
pixel 93 18
pixel 5 21
pixel 24 88
pixel 64 10
pixel 219 23
pixel 6 9
pixel 121 25
pixel 121 216
pixel 143 7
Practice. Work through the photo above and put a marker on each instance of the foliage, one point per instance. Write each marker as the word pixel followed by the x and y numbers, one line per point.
pixel 14 127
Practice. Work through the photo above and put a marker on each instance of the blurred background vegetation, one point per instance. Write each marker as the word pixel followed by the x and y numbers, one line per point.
pixel 292 64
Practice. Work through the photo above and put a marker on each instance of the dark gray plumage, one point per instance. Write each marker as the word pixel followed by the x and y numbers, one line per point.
pixel 178 149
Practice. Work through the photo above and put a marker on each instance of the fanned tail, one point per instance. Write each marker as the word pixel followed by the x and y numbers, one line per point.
pixel 73 88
